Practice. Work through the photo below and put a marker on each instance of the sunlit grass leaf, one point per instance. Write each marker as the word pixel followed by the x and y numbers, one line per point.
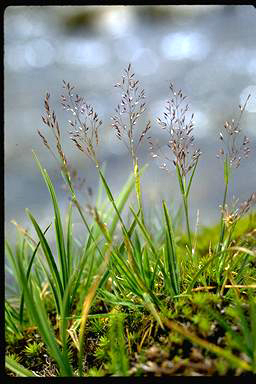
pixel 27 275
pixel 11 318
pixel 171 260
pixel 57 221
pixel 49 257
pixel 38 313
pixel 17 368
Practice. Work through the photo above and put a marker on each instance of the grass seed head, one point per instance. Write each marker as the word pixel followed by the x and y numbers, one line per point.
pixel 49 119
pixel 85 122
pixel 234 148
pixel 234 212
pixel 128 112
pixel 179 127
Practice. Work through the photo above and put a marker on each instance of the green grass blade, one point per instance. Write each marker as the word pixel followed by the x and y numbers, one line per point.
pixel 138 189
pixel 78 271
pixel 49 256
pixel 191 178
pixel 236 361
pixel 114 299
pixel 69 241
pixel 252 313
pixel 138 255
pixel 70 295
pixel 222 224
pixel 149 241
pixel 130 232
pixel 27 275
pixel 198 273
pixel 146 267
pixel 122 267
pixel 57 223
pixel 59 232
pixel 38 313
pixel 12 260
pixel 10 319
pixel 182 189
pixel 17 368
pixel 171 256
pixel 145 232
pixel 91 237
pixel 85 287
pixel 170 282
pixel 121 201
pixel 226 170
pixel 100 188
pixel 111 199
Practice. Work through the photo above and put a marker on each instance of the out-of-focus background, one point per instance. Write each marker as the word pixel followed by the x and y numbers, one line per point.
pixel 207 51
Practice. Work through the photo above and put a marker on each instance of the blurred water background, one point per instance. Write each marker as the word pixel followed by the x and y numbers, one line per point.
pixel 207 51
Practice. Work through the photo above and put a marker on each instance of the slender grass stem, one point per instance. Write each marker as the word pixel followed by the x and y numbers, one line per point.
pixel 222 225
pixel 222 232
pixel 183 190
pixel 138 189
pixel 185 203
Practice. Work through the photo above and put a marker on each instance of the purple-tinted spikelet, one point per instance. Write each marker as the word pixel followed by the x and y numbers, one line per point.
pixel 234 148
pixel 128 111
pixel 84 124
pixel 179 128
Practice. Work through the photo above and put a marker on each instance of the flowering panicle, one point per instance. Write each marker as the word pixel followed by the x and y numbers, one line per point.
pixel 180 129
pixel 129 111
pixel 85 122
pixel 234 151
pixel 50 120
pixel 232 214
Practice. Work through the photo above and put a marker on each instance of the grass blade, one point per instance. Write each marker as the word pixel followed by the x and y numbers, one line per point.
pixel 145 233
pixel 171 257
pixel 86 307
pixel 49 256
pixel 27 275
pixel 191 178
pixel 38 313
pixel 57 223
pixel 69 241
pixel 17 368
pixel 207 345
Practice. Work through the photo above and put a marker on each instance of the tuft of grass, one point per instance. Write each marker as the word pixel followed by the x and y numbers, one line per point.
pixel 138 296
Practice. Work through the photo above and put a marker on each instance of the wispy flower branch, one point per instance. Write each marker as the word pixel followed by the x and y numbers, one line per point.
pixel 179 128
pixel 126 117
pixel 232 214
pixel 232 154
pixel 234 150
pixel 84 124
pixel 180 143
pixel 49 119
pixel 129 111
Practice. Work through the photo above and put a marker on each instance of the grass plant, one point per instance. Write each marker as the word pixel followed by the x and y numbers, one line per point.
pixel 132 300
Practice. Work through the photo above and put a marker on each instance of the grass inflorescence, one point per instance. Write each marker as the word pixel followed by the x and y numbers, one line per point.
pixel 130 300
